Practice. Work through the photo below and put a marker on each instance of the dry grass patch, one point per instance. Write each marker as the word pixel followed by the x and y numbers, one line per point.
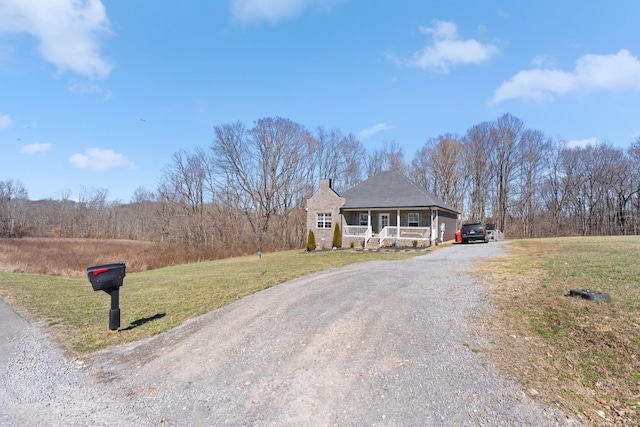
pixel 71 257
pixel 580 355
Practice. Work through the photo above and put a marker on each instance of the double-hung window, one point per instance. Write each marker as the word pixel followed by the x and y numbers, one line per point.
pixel 414 219
pixel 324 220
pixel 364 219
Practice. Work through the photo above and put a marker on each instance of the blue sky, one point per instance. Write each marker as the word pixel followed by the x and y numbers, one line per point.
pixel 100 94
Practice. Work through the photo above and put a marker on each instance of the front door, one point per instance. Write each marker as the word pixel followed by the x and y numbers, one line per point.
pixel 383 221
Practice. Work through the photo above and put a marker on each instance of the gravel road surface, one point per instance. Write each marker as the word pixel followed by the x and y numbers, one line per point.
pixel 374 344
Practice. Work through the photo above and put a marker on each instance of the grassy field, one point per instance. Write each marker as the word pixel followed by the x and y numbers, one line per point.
pixel 581 355
pixel 155 301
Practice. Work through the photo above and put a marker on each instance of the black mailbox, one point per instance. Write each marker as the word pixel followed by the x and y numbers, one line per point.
pixel 109 278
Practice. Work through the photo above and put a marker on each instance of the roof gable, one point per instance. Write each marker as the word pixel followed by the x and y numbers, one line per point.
pixel 390 190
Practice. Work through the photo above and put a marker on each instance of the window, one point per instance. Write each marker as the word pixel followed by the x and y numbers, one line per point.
pixel 324 220
pixel 364 219
pixel 414 219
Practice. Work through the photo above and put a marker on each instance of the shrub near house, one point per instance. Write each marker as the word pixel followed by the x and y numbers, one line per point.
pixel 311 241
pixel 337 236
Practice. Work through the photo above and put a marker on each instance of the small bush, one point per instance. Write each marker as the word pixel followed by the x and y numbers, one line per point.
pixel 414 243
pixel 337 236
pixel 311 241
pixel 352 245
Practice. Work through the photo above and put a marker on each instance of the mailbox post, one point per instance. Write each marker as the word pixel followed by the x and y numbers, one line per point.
pixel 109 278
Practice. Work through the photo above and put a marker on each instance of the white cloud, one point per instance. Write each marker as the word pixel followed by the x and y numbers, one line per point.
pixel 373 130
pixel 68 31
pixel 88 89
pixel 543 61
pixel 583 143
pixel 5 121
pixel 274 11
pixel 99 159
pixel 447 49
pixel 36 148
pixel 620 71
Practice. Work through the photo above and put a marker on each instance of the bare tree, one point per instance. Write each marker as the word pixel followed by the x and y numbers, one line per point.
pixel 586 170
pixel 533 155
pixel 91 212
pixel 13 196
pixel 142 225
pixel 438 167
pixel 624 186
pixel 351 169
pixel 65 224
pixel 634 155
pixel 505 137
pixel 375 163
pixel 389 158
pixel 420 169
pixel 326 153
pixel 447 167
pixel 394 157
pixel 338 157
pixel 556 186
pixel 477 144
pixel 187 185
pixel 618 182
pixel 266 168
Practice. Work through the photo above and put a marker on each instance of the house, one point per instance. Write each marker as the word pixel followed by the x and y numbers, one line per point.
pixel 387 209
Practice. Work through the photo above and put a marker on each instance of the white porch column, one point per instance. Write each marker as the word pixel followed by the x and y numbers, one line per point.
pixel 433 225
pixel 369 217
pixel 398 224
pixel 437 226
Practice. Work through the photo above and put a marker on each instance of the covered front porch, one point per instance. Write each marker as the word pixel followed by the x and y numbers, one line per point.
pixel 388 228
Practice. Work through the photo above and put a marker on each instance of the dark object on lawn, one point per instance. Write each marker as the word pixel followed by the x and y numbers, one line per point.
pixel 590 295
pixel 109 278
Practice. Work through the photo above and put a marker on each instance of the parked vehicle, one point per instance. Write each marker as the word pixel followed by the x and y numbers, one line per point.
pixel 474 231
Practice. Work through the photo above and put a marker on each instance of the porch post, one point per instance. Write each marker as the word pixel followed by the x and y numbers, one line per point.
pixel 437 227
pixel 369 218
pixel 432 219
pixel 398 225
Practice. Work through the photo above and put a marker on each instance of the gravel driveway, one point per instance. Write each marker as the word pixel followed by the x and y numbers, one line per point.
pixel 375 344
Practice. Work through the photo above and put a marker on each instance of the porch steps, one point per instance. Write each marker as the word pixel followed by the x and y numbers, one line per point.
pixel 373 243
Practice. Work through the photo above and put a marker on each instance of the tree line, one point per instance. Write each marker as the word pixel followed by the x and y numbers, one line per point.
pixel 247 190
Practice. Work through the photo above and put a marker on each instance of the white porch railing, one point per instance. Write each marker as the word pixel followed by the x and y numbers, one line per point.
pixel 358 231
pixel 390 232
pixel 405 233
pixel 355 230
pixel 384 234
pixel 367 235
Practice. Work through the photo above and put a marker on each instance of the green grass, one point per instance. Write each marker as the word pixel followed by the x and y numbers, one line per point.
pixel 155 301
pixel 583 352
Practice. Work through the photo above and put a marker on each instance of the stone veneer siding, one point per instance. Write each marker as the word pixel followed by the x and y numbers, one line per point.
pixel 325 200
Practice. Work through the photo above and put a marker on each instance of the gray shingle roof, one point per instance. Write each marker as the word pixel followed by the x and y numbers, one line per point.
pixel 390 190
